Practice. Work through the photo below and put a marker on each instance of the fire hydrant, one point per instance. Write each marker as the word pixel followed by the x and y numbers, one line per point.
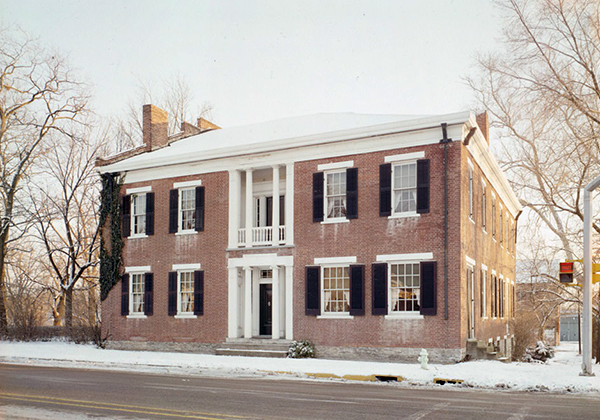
pixel 423 358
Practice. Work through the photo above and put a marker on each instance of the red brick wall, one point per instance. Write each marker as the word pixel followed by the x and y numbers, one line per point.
pixel 161 251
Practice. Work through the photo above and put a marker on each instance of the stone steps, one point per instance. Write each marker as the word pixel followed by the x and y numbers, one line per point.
pixel 254 348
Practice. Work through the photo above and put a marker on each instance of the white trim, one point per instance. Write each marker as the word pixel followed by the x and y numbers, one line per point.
pixel 470 261
pixel 137 236
pixel 334 315
pixel 404 215
pixel 186 232
pixel 335 220
pixel 187 267
pixel 404 156
pixel 418 256
pixel 335 165
pixel 260 260
pixel 404 315
pixel 335 260
pixel 185 316
pixel 138 190
pixel 140 269
pixel 137 316
pixel 186 184
pixel 470 163
pixel 494 273
pixel 484 267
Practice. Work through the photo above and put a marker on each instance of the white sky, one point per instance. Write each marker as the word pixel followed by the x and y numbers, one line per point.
pixel 261 60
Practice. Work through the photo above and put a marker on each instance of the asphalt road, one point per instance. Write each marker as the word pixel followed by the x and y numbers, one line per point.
pixel 53 393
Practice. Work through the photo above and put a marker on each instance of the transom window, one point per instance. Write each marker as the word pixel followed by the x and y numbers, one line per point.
pixel 404 184
pixel 186 292
pixel 138 214
pixel 335 194
pixel 336 290
pixel 137 294
pixel 405 287
pixel 188 208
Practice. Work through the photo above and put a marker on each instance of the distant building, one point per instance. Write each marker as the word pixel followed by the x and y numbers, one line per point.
pixel 328 227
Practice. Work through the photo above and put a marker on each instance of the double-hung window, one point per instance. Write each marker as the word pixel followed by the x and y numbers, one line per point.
pixel 470 191
pixel 405 287
pixel 336 290
pixel 483 206
pixel 138 214
pixel 136 292
pixel 404 186
pixel 483 292
pixel 493 216
pixel 185 295
pixel 335 195
pixel 186 207
pixel 335 192
pixel 186 291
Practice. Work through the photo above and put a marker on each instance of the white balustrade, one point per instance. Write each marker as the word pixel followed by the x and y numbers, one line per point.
pixel 261 236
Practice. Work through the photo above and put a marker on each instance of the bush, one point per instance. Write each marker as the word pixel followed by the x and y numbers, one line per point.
pixel 523 327
pixel 301 349
pixel 541 352
pixel 77 334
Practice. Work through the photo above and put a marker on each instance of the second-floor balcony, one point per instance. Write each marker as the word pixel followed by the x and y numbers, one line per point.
pixel 261 236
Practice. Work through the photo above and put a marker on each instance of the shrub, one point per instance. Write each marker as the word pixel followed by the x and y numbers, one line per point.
pixel 301 349
pixel 541 352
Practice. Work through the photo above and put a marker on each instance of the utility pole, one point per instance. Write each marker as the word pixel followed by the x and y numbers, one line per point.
pixel 586 365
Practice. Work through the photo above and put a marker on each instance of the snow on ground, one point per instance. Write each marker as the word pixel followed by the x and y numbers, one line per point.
pixel 560 374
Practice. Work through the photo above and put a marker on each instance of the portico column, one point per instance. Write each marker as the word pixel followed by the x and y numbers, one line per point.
pixel 248 302
pixel 249 207
pixel 289 204
pixel 235 198
pixel 275 206
pixel 232 311
pixel 289 310
pixel 275 301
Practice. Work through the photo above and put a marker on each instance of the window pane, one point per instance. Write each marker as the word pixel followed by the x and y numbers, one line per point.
pixel 404 287
pixel 336 289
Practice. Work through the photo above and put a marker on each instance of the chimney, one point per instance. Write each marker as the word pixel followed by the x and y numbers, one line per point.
pixel 484 125
pixel 189 129
pixel 205 125
pixel 155 127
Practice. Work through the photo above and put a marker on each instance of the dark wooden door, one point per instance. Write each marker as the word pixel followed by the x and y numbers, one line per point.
pixel 266 313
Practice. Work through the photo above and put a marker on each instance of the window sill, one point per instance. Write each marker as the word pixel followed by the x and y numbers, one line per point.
pixel 405 316
pixel 404 215
pixel 137 236
pixel 332 221
pixel 186 232
pixel 335 316
pixel 137 316
pixel 483 230
pixel 186 316
pixel 471 219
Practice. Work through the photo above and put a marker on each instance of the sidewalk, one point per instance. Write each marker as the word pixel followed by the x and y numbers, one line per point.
pixel 561 374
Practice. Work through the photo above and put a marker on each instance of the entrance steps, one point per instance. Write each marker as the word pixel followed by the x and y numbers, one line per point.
pixel 253 347
pixel 481 350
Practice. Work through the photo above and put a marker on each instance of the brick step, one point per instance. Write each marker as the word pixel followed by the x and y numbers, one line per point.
pixel 251 352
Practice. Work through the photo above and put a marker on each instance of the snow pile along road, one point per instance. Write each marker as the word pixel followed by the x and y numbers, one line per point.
pixel 560 374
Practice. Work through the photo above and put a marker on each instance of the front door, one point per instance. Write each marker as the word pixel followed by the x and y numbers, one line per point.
pixel 266 314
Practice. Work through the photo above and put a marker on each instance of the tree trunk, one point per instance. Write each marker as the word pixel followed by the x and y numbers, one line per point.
pixel 3 318
pixel 68 308
pixel 59 312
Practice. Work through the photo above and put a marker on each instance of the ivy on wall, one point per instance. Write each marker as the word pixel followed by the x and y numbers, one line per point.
pixel 111 241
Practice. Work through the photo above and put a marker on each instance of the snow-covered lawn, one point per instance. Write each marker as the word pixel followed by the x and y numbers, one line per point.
pixel 560 374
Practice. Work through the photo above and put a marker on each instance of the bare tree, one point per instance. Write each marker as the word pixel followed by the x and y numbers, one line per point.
pixel 66 219
pixel 37 96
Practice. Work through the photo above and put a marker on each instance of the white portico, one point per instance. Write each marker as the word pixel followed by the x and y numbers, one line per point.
pixel 260 296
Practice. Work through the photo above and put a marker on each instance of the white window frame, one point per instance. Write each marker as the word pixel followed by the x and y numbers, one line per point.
pixel 484 286
pixel 409 213
pixel 493 216
pixel 132 276
pixel 134 198
pixel 471 203
pixel 342 264
pixel 180 313
pixel 326 218
pixel 501 228
pixel 483 205
pixel 401 314
pixel 180 211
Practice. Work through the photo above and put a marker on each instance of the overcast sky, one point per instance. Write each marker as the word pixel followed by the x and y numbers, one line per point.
pixel 261 60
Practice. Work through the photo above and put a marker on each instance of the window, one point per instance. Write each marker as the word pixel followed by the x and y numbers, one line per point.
pixel 404 186
pixel 335 195
pixel 187 208
pixel 138 214
pixel 405 287
pixel 501 229
pixel 483 205
pixel 470 192
pixel 186 292
pixel 336 290
pixel 494 297
pixel 483 293
pixel 501 290
pixel 137 294
pixel 493 217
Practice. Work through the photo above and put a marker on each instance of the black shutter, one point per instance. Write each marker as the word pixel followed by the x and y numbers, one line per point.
pixel 173 210
pixel 150 214
pixel 313 291
pixel 385 189
pixel 199 292
pixel 380 286
pixel 352 193
pixel 173 293
pixel 423 186
pixel 148 292
pixel 199 216
pixel 125 294
pixel 357 290
pixel 318 197
pixel 428 288
pixel 126 216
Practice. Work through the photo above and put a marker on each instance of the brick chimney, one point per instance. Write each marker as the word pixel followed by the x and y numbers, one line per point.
pixel 205 125
pixel 155 127
pixel 484 125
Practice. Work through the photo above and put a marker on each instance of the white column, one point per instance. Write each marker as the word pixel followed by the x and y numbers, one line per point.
pixel 249 207
pixel 275 206
pixel 289 310
pixel 289 204
pixel 235 197
pixel 248 302
pixel 232 311
pixel 275 304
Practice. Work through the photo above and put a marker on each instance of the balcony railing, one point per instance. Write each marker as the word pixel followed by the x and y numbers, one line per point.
pixel 261 236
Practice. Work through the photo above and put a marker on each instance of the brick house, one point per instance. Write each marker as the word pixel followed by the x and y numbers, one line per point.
pixel 334 228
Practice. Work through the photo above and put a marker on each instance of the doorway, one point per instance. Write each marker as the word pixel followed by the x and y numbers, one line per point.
pixel 266 313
